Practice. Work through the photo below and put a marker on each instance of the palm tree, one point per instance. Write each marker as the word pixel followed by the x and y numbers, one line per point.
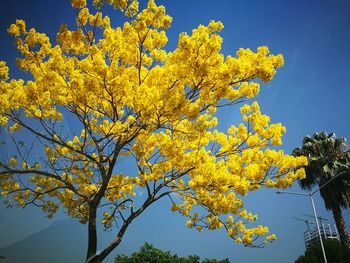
pixel 329 159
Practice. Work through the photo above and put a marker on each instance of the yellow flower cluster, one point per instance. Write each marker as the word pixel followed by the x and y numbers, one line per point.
pixel 131 99
pixel 78 3
pixel 4 71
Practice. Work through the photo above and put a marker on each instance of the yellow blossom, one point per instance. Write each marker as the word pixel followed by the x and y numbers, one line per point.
pixel 106 95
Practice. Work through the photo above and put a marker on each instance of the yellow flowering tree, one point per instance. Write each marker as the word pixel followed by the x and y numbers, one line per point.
pixel 131 99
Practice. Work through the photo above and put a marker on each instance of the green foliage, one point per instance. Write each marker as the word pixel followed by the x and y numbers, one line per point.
pixel 329 170
pixel 333 250
pixel 328 157
pixel 150 254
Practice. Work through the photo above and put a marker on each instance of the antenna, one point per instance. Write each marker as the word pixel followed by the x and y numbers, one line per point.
pixel 319 217
pixel 307 222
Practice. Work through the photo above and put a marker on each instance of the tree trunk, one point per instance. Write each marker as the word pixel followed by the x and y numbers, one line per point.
pixel 92 236
pixel 92 242
pixel 344 236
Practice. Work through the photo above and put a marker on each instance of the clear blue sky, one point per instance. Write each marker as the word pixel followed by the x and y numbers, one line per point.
pixel 310 93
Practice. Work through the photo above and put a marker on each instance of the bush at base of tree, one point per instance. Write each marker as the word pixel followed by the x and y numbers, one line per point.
pixel 149 254
pixel 313 254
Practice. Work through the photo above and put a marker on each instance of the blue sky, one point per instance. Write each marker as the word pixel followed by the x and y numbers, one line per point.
pixel 309 94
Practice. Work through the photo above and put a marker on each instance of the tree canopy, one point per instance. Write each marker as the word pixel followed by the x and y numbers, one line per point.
pixel 131 99
pixel 329 159
pixel 314 254
pixel 329 170
pixel 150 254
